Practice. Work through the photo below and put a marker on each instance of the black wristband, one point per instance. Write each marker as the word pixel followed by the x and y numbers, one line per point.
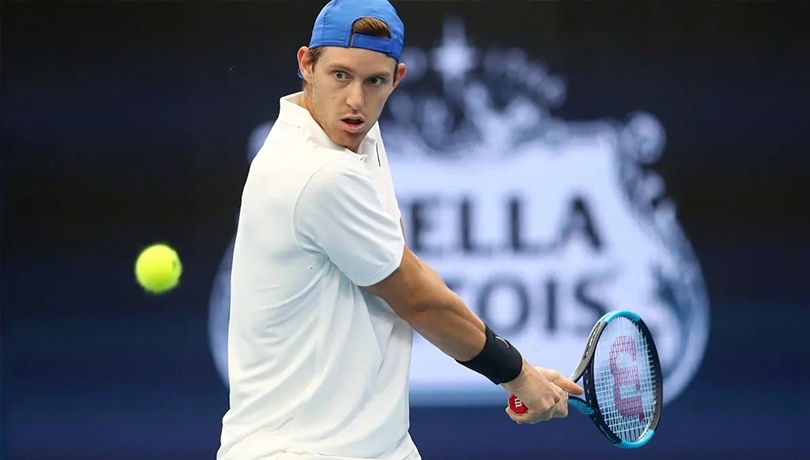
pixel 499 361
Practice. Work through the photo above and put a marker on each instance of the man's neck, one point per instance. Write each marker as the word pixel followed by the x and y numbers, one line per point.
pixel 305 103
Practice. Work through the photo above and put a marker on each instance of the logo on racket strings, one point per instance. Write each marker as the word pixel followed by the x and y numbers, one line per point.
pixel 625 377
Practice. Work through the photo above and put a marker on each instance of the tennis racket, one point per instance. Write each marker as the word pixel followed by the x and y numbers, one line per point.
pixel 621 376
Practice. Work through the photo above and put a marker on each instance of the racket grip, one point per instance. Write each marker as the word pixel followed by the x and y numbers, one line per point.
pixel 516 405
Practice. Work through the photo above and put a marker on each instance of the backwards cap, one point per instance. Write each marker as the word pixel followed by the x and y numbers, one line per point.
pixel 333 26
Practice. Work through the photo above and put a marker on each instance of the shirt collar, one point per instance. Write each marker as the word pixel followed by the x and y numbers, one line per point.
pixel 292 113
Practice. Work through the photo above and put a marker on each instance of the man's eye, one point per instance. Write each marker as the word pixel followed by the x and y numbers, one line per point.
pixel 341 75
pixel 377 81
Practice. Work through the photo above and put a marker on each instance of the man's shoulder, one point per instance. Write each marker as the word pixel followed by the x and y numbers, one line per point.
pixel 337 176
pixel 288 139
pixel 289 149
pixel 320 173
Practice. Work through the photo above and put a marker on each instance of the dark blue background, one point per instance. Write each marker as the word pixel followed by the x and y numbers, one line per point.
pixel 127 123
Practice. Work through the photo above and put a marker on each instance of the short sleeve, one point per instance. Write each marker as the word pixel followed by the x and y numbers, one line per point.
pixel 340 214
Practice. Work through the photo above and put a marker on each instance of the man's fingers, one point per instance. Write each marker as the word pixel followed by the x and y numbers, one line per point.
pixel 547 398
pixel 558 379
pixel 529 417
pixel 513 415
pixel 561 408
pixel 569 386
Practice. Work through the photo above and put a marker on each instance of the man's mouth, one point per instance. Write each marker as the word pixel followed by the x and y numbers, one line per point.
pixel 353 124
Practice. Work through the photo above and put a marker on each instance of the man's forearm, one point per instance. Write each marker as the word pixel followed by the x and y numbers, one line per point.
pixel 447 322
pixel 418 295
pixel 454 331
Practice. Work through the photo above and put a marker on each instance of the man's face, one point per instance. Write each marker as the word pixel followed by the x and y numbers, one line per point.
pixel 348 88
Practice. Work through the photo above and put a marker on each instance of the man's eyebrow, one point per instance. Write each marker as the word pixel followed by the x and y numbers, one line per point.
pixel 341 67
pixel 383 74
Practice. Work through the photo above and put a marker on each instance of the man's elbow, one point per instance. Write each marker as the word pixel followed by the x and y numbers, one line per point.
pixel 412 309
pixel 419 318
pixel 413 289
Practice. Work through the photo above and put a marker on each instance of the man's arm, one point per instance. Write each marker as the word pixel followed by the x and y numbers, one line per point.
pixel 419 296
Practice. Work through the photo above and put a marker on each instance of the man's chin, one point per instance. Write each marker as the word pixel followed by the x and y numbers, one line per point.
pixel 349 140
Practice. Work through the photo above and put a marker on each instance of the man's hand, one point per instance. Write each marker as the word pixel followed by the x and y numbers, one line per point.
pixel 544 392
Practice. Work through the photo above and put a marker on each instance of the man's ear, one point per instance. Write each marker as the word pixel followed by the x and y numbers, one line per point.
pixel 400 73
pixel 305 63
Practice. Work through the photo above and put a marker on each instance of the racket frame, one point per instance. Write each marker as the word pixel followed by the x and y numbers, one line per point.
pixel 590 406
pixel 584 370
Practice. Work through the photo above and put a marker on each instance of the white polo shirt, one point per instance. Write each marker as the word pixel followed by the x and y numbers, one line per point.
pixel 318 368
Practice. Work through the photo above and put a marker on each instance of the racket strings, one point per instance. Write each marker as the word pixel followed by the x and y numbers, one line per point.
pixel 624 381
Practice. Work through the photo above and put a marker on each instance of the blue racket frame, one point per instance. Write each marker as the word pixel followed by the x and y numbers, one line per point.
pixel 590 405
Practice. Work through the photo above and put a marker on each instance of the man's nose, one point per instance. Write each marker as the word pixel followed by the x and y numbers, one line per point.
pixel 356 98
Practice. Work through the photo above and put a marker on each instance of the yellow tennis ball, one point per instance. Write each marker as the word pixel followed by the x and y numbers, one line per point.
pixel 158 268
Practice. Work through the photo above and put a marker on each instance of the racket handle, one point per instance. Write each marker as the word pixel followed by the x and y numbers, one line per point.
pixel 516 405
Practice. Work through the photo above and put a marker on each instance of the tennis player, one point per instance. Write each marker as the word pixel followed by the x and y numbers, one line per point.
pixel 325 294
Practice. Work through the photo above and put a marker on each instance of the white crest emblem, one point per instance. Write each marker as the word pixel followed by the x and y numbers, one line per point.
pixel 539 224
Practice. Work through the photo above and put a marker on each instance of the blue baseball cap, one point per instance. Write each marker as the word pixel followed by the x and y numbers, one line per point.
pixel 333 27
